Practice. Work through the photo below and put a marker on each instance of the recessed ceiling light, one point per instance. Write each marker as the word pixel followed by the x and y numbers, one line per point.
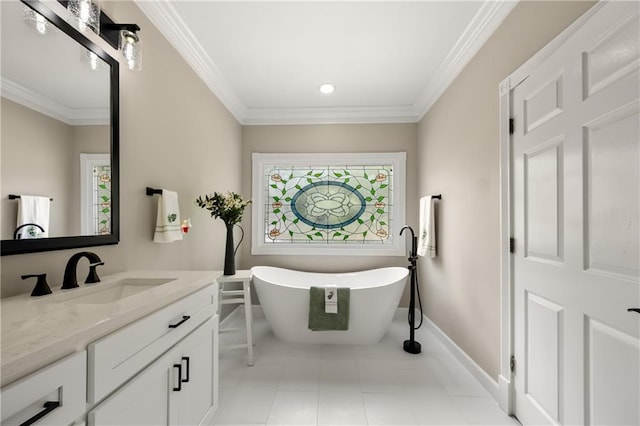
pixel 327 88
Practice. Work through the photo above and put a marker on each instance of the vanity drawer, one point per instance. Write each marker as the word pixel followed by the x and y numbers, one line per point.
pixel 55 395
pixel 116 358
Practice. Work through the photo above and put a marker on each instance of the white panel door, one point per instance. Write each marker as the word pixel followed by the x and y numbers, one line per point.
pixel 575 214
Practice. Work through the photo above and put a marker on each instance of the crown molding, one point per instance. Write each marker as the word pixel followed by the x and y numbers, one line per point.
pixel 483 25
pixel 165 17
pixel 51 108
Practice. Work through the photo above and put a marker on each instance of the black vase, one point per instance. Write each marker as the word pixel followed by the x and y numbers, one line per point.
pixel 229 252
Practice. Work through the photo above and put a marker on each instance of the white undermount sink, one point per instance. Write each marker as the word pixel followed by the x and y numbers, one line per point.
pixel 115 291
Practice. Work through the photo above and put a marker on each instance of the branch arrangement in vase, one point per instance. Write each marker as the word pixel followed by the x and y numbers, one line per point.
pixel 229 207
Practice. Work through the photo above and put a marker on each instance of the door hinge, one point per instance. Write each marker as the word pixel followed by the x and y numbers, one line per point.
pixel 512 245
pixel 512 126
pixel 512 363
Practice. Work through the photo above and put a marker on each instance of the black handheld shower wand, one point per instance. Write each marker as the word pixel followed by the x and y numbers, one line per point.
pixel 411 345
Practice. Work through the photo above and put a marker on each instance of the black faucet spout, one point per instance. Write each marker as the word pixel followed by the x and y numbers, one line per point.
pixel 70 279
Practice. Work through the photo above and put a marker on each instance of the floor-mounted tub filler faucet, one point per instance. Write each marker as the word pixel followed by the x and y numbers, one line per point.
pixel 70 279
pixel 411 346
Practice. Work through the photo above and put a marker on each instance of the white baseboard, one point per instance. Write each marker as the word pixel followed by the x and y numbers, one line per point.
pixel 469 364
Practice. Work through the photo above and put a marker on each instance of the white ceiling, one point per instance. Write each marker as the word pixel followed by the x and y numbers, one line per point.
pixel 47 72
pixel 265 60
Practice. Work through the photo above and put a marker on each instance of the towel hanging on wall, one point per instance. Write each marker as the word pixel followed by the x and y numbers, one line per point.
pixel 168 219
pixel 33 209
pixel 427 233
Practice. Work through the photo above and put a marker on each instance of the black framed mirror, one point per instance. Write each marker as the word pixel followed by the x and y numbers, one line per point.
pixel 60 131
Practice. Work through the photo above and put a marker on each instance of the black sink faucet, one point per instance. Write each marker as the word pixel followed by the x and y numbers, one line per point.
pixel 70 279
pixel 15 233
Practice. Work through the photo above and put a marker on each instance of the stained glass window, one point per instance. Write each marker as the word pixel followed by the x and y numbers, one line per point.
pixel 102 200
pixel 328 203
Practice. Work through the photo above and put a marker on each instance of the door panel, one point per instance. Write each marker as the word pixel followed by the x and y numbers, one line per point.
pixel 544 326
pixel 543 201
pixel 612 183
pixel 543 105
pixel 575 215
pixel 613 57
pixel 613 371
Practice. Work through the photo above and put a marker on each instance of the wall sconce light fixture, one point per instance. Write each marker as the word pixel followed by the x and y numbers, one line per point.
pixel 123 37
pixel 87 13
pixel 131 48
pixel 126 39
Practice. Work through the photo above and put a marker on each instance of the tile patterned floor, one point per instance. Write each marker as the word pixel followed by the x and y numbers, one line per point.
pixel 301 384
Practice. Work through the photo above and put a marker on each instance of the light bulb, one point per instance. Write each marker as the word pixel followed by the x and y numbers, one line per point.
pixel 93 61
pixel 127 48
pixel 130 48
pixel 84 14
pixel 87 14
pixel 41 24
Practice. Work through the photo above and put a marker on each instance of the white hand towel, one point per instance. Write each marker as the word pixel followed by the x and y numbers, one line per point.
pixel 331 299
pixel 168 220
pixel 427 235
pixel 33 209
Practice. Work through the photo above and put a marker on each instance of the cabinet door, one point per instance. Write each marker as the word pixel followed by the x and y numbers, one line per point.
pixel 178 388
pixel 199 357
pixel 142 401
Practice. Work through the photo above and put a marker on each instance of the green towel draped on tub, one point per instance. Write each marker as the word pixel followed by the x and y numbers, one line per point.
pixel 319 320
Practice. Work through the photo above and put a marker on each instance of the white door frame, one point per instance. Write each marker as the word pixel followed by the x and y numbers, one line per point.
pixel 505 384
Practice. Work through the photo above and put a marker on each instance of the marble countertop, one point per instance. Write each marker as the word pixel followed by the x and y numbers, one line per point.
pixel 36 331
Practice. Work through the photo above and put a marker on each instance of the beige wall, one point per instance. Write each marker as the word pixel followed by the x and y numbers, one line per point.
pixel 35 161
pixel 458 150
pixel 174 134
pixel 330 138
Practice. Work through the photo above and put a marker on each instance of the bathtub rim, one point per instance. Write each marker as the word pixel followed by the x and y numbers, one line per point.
pixel 379 283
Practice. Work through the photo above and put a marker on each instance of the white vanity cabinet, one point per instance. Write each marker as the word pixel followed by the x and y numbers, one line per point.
pixel 54 395
pixel 179 387
pixel 147 357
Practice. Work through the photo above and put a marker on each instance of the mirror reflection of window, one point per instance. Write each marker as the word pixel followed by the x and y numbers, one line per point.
pixel 95 189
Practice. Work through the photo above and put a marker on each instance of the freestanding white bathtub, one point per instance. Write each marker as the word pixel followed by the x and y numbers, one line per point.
pixel 284 296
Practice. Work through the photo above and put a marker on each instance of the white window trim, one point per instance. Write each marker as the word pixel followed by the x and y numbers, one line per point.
pixel 396 159
pixel 88 198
